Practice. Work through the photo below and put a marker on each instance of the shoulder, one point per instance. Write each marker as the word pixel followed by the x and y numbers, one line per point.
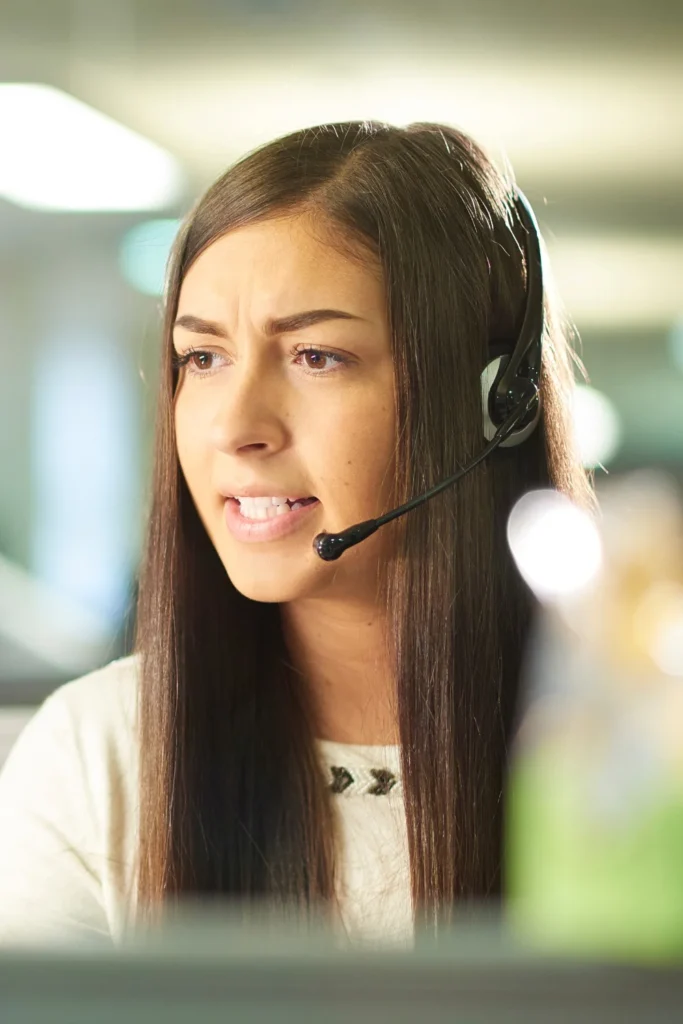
pixel 84 723
pixel 107 696
pixel 68 810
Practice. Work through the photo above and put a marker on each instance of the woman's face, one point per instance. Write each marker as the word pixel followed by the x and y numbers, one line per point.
pixel 258 413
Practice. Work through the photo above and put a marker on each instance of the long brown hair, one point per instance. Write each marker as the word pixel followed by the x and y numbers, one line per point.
pixel 232 797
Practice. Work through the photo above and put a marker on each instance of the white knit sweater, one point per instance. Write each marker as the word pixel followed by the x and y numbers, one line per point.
pixel 68 822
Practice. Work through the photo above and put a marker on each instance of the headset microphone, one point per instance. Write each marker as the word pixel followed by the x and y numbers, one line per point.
pixel 510 395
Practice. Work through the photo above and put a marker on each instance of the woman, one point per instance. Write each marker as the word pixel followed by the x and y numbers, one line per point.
pixel 320 733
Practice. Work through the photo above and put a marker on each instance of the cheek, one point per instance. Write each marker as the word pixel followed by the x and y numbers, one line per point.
pixel 357 458
pixel 190 445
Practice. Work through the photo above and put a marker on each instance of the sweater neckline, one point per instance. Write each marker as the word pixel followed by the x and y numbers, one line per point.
pixel 359 755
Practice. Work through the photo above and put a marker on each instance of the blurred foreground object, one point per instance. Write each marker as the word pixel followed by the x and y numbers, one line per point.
pixel 595 805
pixel 205 965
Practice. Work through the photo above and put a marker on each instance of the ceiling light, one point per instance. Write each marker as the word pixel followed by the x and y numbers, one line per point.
pixel 61 154
pixel 612 280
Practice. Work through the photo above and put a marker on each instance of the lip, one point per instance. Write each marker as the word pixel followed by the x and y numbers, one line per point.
pixel 257 491
pixel 253 530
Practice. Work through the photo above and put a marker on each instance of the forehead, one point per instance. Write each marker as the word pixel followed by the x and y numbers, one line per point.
pixel 280 264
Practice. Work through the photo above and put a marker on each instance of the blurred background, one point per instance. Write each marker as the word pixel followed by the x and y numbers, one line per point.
pixel 114 117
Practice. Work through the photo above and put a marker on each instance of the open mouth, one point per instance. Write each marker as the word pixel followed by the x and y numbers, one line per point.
pixel 258 509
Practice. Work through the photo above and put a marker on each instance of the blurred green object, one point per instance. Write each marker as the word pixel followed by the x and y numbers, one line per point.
pixel 594 815
pixel 589 887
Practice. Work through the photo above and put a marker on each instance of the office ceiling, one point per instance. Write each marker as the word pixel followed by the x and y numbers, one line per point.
pixel 584 98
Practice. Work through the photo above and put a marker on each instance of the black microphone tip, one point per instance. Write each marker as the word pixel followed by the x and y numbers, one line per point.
pixel 329 546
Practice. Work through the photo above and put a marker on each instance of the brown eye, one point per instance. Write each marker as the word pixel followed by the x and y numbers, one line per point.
pixel 315 360
pixel 319 362
pixel 199 362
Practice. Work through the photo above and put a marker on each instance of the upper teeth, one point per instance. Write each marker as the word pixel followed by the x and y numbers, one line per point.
pixel 264 502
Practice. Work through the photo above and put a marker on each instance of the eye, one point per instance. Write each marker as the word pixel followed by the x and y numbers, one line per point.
pixel 196 360
pixel 201 362
pixel 315 360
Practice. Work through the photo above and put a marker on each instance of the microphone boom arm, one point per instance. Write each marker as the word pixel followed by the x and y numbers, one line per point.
pixel 329 546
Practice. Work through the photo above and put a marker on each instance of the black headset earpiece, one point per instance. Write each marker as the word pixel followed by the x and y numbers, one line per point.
pixel 497 407
pixel 513 373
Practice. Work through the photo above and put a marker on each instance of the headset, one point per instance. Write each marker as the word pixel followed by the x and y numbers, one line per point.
pixel 511 399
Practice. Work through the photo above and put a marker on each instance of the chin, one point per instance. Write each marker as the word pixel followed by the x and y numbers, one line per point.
pixel 272 580
pixel 266 592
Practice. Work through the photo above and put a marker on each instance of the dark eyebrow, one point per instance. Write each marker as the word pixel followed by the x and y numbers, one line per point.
pixel 298 321
pixel 283 325
pixel 199 326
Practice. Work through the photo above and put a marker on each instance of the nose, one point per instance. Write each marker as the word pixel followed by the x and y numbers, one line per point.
pixel 250 410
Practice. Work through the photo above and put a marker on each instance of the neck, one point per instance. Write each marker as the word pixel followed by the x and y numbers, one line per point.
pixel 340 650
